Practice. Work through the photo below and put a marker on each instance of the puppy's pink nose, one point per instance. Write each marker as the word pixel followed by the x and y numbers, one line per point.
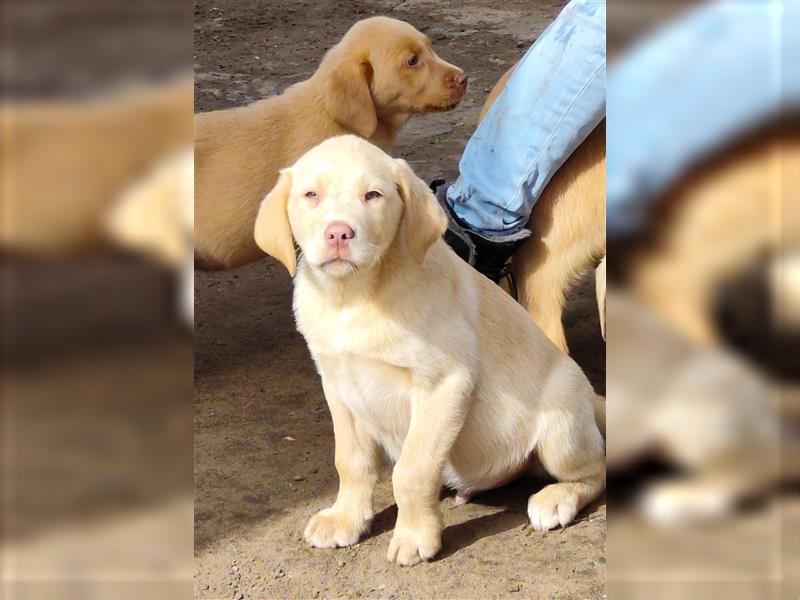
pixel 460 80
pixel 338 234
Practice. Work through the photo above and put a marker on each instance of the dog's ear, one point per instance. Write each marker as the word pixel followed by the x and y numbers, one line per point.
pixel 348 98
pixel 273 233
pixel 424 221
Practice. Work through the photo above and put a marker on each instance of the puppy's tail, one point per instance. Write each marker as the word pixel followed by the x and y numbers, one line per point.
pixel 600 413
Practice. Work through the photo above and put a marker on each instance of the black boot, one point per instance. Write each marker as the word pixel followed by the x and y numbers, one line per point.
pixel 489 256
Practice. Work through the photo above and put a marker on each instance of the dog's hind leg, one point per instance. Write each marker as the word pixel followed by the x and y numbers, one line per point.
pixel 570 448
pixel 543 272
pixel 568 231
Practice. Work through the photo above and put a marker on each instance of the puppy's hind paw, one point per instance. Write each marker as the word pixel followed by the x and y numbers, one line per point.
pixel 332 527
pixel 555 505
pixel 679 503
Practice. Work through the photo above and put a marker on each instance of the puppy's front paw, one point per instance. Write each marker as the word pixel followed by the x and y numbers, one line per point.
pixel 555 505
pixel 334 527
pixel 415 541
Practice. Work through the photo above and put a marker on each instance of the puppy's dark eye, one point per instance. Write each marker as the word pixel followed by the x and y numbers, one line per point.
pixel 413 61
pixel 371 195
pixel 311 195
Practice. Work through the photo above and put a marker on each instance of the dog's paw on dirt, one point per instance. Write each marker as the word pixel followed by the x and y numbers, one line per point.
pixel 555 505
pixel 333 527
pixel 413 543
pixel 681 503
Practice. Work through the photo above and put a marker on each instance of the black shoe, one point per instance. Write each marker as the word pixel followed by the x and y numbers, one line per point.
pixel 489 256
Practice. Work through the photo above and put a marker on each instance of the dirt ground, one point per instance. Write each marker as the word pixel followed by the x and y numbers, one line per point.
pixel 263 435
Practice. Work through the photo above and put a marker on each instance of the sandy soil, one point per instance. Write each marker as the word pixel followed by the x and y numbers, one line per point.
pixel 264 442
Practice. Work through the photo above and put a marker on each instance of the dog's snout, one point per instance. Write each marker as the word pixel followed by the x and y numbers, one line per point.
pixel 338 234
pixel 460 79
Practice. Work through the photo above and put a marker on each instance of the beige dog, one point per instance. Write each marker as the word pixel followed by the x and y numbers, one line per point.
pixel 66 163
pixel 568 231
pixel 378 76
pixel 700 409
pixel 420 355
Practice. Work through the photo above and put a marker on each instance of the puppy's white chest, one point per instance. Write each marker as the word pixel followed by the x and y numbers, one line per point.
pixel 377 395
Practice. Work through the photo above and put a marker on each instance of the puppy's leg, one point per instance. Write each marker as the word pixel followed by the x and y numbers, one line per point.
pixel 437 415
pixel 357 460
pixel 571 449
pixel 740 461
pixel 541 287
pixel 543 271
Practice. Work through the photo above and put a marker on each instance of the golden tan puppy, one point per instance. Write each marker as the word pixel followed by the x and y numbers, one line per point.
pixel 420 355
pixel 568 226
pixel 568 230
pixel 378 76
pixel 716 224
pixel 65 163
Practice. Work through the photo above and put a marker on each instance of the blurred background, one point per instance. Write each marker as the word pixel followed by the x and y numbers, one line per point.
pixel 95 252
pixel 703 304
pixel 703 311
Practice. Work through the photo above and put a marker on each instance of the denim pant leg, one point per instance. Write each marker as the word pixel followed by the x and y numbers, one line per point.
pixel 553 100
pixel 685 91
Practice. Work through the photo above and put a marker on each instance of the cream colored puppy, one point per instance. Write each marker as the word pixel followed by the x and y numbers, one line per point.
pixel 700 409
pixel 155 218
pixel 420 355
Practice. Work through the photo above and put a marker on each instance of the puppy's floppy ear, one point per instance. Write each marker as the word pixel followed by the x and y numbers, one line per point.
pixel 424 221
pixel 272 232
pixel 348 98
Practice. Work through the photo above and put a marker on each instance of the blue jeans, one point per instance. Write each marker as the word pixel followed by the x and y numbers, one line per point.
pixel 554 99
pixel 682 93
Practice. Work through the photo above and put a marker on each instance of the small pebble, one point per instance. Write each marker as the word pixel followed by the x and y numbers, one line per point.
pixel 289 438
pixel 342 563
pixel 238 596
